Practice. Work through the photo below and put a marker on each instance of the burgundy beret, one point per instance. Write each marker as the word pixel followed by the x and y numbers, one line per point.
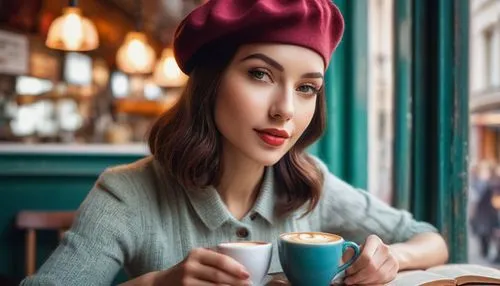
pixel 314 24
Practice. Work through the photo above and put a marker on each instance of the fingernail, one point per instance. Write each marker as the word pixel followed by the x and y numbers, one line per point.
pixel 248 283
pixel 244 274
pixel 347 281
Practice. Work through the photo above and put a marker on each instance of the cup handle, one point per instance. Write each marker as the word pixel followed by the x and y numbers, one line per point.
pixel 345 246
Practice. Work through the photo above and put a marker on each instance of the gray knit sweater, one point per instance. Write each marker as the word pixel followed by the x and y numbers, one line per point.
pixel 137 219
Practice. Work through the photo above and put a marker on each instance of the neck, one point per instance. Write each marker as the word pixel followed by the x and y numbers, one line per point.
pixel 239 182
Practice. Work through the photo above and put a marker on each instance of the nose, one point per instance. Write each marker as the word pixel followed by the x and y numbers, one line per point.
pixel 282 107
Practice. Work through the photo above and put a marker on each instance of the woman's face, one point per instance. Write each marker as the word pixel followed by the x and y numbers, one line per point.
pixel 266 100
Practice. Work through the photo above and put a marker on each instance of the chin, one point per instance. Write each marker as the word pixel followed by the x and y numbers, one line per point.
pixel 267 158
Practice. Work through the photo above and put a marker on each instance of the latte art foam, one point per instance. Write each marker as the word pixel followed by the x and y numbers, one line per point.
pixel 311 237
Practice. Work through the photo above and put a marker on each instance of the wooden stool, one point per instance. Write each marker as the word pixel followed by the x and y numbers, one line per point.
pixel 31 221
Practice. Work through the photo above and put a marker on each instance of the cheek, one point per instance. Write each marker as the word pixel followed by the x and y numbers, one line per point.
pixel 239 104
pixel 304 117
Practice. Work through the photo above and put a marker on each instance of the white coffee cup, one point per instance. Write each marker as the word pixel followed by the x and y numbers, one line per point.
pixel 255 256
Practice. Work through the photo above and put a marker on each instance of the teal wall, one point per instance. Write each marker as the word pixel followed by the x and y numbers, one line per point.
pixel 39 181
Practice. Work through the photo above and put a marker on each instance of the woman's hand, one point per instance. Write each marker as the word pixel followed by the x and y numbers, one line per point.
pixel 376 265
pixel 204 267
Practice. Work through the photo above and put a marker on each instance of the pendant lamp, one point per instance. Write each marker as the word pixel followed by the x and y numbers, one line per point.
pixel 136 56
pixel 72 32
pixel 167 73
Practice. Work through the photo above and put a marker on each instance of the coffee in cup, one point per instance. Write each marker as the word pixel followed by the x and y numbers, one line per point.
pixel 255 256
pixel 311 237
pixel 313 258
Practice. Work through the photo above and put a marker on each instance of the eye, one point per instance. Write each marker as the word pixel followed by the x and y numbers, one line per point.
pixel 308 89
pixel 259 74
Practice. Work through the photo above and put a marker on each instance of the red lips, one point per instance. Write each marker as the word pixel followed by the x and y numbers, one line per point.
pixel 273 137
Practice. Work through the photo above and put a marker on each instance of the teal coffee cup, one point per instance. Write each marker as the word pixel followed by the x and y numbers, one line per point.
pixel 313 258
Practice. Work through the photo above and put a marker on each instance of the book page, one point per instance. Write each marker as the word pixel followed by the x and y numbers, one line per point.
pixel 468 273
pixel 421 278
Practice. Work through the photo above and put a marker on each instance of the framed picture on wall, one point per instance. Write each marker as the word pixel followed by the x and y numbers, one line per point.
pixel 14 53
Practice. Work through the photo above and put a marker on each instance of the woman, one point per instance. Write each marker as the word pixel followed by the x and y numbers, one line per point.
pixel 484 220
pixel 229 163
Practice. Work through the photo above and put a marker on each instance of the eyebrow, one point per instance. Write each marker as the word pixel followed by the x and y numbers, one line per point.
pixel 312 75
pixel 266 59
pixel 279 67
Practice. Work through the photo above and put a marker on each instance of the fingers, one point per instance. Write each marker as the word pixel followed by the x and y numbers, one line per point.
pixel 384 274
pixel 203 267
pixel 390 270
pixel 348 254
pixel 191 281
pixel 367 252
pixel 195 282
pixel 217 276
pixel 221 262
pixel 376 264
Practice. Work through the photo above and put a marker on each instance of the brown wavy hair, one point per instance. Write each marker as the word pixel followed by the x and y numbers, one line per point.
pixel 186 142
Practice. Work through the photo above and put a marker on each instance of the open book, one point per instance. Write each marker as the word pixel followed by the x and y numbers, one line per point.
pixel 449 275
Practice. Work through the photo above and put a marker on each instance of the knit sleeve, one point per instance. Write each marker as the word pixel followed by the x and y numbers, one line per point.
pixel 101 239
pixel 354 214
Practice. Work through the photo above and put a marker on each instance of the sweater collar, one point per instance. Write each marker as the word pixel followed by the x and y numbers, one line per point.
pixel 213 212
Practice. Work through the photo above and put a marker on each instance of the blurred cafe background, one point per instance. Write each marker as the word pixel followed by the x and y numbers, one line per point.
pixel 413 96
pixel 88 72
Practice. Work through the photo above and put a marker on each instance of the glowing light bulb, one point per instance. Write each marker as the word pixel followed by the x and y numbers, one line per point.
pixel 72 31
pixel 170 69
pixel 167 72
pixel 136 52
pixel 135 56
